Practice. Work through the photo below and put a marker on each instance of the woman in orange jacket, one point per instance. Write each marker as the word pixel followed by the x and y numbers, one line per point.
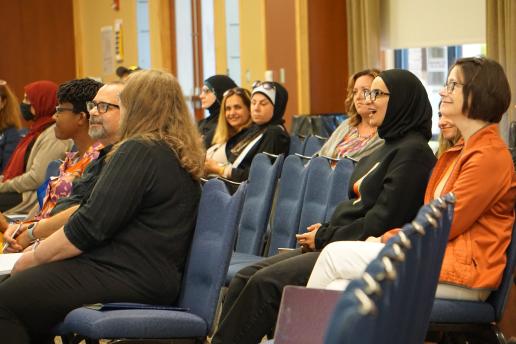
pixel 474 98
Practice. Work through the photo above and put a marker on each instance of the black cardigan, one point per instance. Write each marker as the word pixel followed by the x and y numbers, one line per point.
pixel 391 192
pixel 138 222
pixel 275 140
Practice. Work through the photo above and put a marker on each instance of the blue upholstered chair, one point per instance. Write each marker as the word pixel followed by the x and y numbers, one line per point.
pixel 52 171
pixel 297 144
pixel 313 144
pixel 254 220
pixel 204 275
pixel 476 320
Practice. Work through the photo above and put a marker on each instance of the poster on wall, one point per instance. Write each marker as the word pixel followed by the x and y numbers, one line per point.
pixel 108 61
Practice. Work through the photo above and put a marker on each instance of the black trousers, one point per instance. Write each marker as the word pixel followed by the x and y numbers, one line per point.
pixel 32 302
pixel 252 302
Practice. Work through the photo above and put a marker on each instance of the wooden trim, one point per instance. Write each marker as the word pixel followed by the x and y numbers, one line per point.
pixel 79 46
pixel 172 38
pixel 303 57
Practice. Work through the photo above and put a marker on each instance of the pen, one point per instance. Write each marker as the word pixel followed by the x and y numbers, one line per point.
pixel 15 233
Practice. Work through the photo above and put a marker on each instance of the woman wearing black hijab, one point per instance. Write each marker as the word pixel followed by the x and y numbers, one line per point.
pixel 386 190
pixel 211 97
pixel 268 104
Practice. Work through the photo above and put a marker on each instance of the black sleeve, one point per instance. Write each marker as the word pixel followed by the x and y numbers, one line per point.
pixel 274 141
pixel 116 196
pixel 401 197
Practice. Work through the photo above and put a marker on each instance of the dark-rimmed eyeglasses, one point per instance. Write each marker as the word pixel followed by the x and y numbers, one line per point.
pixel 450 85
pixel 102 107
pixel 373 94
pixel 235 90
pixel 206 90
pixel 268 85
pixel 60 109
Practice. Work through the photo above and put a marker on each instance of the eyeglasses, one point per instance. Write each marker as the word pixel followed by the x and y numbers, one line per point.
pixel 206 89
pixel 63 109
pixel 102 107
pixel 373 94
pixel 236 90
pixel 268 85
pixel 450 85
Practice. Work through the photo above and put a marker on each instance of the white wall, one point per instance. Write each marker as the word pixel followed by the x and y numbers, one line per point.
pixel 430 23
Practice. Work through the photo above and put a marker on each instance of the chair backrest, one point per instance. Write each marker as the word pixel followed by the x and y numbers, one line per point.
pixel 296 144
pixel 406 272
pixel 325 188
pixel 313 144
pixel 52 171
pixel 291 190
pixel 262 181
pixel 211 249
pixel 499 297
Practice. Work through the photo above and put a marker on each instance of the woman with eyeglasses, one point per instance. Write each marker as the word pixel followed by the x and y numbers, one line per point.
pixel 355 137
pixel 26 169
pixel 211 96
pixel 72 122
pixel 10 123
pixel 268 105
pixel 479 172
pixel 386 190
pixel 128 241
pixel 230 136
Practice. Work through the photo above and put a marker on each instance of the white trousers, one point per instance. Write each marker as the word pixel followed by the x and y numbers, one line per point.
pixel 342 261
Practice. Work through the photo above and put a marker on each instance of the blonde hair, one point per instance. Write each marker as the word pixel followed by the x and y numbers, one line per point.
pixel 155 110
pixel 224 131
pixel 354 117
pixel 445 144
pixel 10 113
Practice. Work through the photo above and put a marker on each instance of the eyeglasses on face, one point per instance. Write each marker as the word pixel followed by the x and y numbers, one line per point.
pixel 102 107
pixel 205 89
pixel 235 90
pixel 60 109
pixel 268 85
pixel 373 94
pixel 450 85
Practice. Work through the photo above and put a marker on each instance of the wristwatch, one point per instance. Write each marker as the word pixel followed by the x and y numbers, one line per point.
pixel 30 230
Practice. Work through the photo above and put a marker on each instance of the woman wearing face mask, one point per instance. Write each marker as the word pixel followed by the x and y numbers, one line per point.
pixel 268 104
pixel 475 97
pixel 28 164
pixel 355 137
pixel 211 97
pixel 231 130
pixel 393 175
pixel 9 123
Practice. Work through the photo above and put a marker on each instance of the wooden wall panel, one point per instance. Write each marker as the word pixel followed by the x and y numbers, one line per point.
pixel 36 41
pixel 328 55
pixel 281 48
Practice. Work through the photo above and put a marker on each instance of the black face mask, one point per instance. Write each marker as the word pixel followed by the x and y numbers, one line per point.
pixel 25 110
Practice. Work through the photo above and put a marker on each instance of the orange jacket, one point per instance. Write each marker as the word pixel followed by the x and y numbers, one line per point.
pixel 484 184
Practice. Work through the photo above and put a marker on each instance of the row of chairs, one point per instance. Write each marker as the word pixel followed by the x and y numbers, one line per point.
pixel 306 194
pixel 306 145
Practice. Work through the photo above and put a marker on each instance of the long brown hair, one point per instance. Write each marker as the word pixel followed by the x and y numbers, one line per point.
pixel 10 113
pixel 155 109
pixel 354 117
pixel 224 131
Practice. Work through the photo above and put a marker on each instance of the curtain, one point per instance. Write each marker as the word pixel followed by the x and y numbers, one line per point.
pixel 363 24
pixel 501 46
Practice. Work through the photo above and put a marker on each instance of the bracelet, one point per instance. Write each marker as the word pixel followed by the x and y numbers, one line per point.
pixel 30 230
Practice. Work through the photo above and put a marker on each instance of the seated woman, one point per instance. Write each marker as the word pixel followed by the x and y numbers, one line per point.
pixel 27 168
pixel 450 135
pixel 72 122
pixel 268 104
pixel 394 174
pixel 484 211
pixel 234 119
pixel 135 228
pixel 355 137
pixel 211 97
pixel 10 123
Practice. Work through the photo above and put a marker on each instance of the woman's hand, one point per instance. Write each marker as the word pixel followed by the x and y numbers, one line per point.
pixel 307 240
pixel 13 244
pixel 212 167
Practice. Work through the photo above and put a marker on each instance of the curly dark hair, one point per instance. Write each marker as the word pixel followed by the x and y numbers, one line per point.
pixel 77 92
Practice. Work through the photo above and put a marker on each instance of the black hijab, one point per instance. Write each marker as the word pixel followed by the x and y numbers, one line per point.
pixel 408 109
pixel 219 84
